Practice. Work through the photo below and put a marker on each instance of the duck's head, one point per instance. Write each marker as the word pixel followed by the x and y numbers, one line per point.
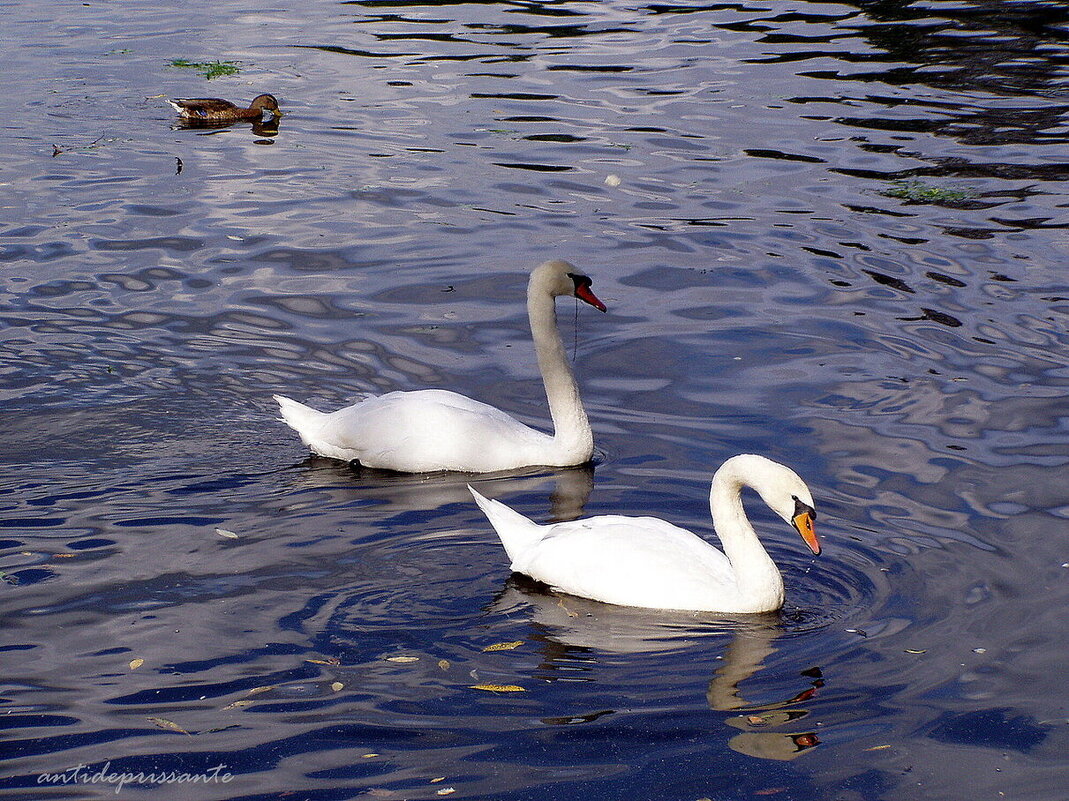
pixel 266 103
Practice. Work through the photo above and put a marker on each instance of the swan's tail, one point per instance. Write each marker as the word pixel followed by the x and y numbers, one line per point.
pixel 305 420
pixel 517 533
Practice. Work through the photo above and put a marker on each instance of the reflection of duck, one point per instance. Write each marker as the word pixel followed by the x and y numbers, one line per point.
pixel 434 429
pixel 647 562
pixel 213 109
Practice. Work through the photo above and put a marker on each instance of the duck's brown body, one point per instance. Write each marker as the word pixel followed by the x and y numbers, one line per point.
pixel 213 109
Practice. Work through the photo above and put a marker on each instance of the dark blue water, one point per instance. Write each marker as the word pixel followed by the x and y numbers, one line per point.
pixel 834 234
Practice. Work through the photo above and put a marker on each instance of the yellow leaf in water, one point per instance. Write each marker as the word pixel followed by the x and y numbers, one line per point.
pixel 439 779
pixel 756 720
pixel 403 659
pixel 916 650
pixel 62 556
pixel 443 664
pixel 170 725
pixel 569 612
pixel 369 756
pixel 136 663
pixel 446 791
pixel 333 661
pixel 877 748
pixel 503 646
pixel 498 688
pixel 240 704
pixel 336 686
pixel 222 532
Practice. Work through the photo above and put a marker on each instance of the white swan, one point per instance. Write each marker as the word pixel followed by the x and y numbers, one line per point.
pixel 434 429
pixel 647 562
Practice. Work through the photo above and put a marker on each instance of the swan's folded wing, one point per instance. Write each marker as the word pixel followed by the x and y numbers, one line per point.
pixel 633 561
pixel 429 430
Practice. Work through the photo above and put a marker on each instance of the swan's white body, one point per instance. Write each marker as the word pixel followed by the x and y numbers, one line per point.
pixel 435 429
pixel 647 562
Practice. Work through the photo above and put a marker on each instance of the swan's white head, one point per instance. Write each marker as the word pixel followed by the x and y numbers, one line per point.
pixel 782 489
pixel 558 277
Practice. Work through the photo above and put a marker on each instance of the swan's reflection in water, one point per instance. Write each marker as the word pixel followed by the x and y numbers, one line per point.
pixel 762 724
pixel 394 493
pixel 564 623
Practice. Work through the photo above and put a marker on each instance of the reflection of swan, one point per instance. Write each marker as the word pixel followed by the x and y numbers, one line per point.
pixel 568 622
pixel 325 482
pixel 434 429
pixel 561 625
pixel 742 660
pixel 645 561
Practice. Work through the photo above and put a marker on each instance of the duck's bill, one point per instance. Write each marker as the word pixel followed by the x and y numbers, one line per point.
pixel 803 522
pixel 584 294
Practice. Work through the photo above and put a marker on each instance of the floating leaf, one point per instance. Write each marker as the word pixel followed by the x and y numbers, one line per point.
pixel 170 725
pixel 877 748
pixel 136 663
pixel 222 532
pixel 332 661
pixel 402 659
pixel 439 779
pixel 916 650
pixel 264 689
pixel 443 664
pixel 446 791
pixel 62 556
pixel 920 192
pixel 498 688
pixel 336 686
pixel 368 756
pixel 209 69
pixel 503 646
pixel 240 704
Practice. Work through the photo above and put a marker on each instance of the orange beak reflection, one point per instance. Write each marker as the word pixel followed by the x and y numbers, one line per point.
pixel 803 522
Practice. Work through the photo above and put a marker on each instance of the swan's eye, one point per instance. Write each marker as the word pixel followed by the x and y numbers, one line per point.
pixel 583 291
pixel 801 507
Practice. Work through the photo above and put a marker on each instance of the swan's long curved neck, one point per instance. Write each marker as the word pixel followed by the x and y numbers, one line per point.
pixel 757 575
pixel 572 436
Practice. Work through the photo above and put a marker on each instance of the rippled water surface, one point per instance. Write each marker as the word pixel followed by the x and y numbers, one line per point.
pixel 832 233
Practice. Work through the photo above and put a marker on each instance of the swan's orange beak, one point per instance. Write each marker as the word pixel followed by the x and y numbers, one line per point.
pixel 584 294
pixel 803 522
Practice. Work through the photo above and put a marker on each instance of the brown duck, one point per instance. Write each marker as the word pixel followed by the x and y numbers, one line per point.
pixel 212 109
